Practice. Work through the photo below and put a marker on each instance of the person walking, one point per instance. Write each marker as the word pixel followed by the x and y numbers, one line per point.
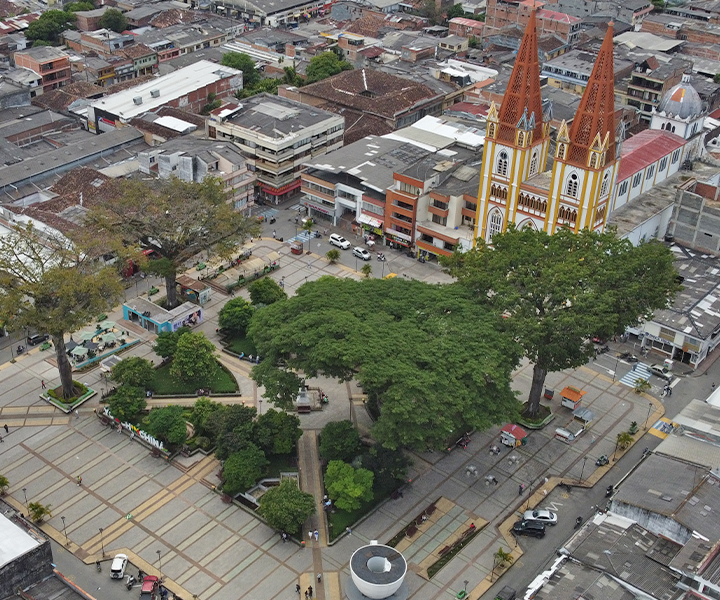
pixel 77 414
pixel 7 430
pixel 42 383
pixel 310 591
pixel 307 595
pixel 317 535
pixel 297 588
pixel 310 535
pixel 521 489
pixel 274 234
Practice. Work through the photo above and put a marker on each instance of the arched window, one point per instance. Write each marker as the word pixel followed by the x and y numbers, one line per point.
pixel 571 185
pixel 502 164
pixel 495 223
pixel 593 160
pixel 543 206
pixel 491 130
pixel 693 131
pixel 573 216
pixel 673 128
pixel 605 184
pixel 534 163
pixel 561 150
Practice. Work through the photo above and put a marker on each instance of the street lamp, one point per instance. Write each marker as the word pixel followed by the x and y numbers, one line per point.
pixel 465 587
pixel 65 531
pixel 102 542
pixel 650 407
pixel 159 560
pixel 26 502
pixel 583 467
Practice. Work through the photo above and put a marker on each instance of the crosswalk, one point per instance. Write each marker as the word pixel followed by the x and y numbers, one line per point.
pixel 631 378
pixel 303 237
pixel 267 213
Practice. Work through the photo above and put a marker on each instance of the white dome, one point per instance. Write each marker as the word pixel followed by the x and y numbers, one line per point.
pixel 682 101
pixel 377 570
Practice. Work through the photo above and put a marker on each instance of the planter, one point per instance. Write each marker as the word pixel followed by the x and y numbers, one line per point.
pixel 461 594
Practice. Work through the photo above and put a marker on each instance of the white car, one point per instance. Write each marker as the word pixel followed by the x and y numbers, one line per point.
pixel 542 516
pixel 662 372
pixel 361 253
pixel 117 569
pixel 339 241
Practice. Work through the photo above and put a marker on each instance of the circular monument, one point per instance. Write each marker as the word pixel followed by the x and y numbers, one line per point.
pixel 377 572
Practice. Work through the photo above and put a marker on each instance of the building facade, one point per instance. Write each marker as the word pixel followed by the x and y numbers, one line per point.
pixel 52 64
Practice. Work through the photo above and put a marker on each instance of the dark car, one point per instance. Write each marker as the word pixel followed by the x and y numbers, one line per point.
pixel 34 340
pixel 531 528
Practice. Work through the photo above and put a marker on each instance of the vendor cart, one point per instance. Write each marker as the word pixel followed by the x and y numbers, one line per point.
pixel 296 247
pixel 571 397
pixel 513 435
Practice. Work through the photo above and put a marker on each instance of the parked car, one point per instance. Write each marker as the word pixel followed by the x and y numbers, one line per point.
pixel 117 569
pixel 35 339
pixel 662 372
pixel 361 253
pixel 507 593
pixel 531 528
pixel 149 587
pixel 542 516
pixel 339 241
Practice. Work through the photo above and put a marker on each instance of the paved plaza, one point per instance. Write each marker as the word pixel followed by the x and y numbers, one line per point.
pixel 167 516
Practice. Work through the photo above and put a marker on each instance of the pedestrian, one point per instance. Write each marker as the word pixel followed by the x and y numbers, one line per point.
pixel 251 239
pixel 310 533
pixel 297 588
pixel 319 577
pixel 42 383
pixel 307 595
pixel 6 428
pixel 310 591
pixel 495 481
pixel 521 489
pixel 77 414
pixel 274 234
pixel 317 536
pixel 348 530
pixel 634 366
pixel 669 391
pixel 713 385
pixel 1 440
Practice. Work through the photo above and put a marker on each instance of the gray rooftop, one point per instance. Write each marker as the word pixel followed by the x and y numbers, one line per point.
pixel 43 53
pixel 572 581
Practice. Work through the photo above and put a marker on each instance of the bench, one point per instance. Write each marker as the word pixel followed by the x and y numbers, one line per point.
pixel 411 531
pixel 430 510
pixel 445 550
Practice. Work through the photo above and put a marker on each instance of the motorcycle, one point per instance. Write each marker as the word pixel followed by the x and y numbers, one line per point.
pixel 421 259
pixel 578 522
pixel 272 220
pixel 631 358
pixel 20 349
pixel 602 350
pixel 381 257
pixel 130 581
pixel 97 565
pixel 609 491
pixel 602 461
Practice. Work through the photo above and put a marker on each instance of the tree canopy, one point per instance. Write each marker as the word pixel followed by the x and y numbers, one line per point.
pixel 243 468
pixel 277 432
pixel 325 65
pixel 166 342
pixel 127 402
pixel 339 440
pixel 235 316
pixel 554 293
pixel 114 20
pixel 51 285
pixel 348 487
pixel 431 359
pixel 48 27
pixel 134 371
pixel 176 219
pixel 286 507
pixel 168 424
pixel 265 291
pixel 243 62
pixel 194 359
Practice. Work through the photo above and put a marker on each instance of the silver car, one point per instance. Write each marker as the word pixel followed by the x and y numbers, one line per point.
pixel 542 516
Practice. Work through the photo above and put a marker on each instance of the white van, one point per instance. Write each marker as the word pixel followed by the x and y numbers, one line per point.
pixel 339 241
pixel 117 569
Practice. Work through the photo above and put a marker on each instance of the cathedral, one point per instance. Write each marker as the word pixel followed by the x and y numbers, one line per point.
pixel 516 186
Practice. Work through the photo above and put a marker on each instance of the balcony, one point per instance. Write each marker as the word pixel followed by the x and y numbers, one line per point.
pixel 469 213
pixel 439 211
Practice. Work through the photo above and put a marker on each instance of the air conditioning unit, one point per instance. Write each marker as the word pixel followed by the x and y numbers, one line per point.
pixel 137 99
pixel 155 93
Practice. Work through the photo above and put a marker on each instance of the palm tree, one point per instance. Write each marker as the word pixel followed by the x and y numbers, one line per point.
pixel 4 483
pixel 366 269
pixel 333 255
pixel 500 559
pixel 624 439
pixel 642 385
pixel 38 512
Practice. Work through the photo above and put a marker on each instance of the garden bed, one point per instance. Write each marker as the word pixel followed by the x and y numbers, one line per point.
pixel 84 393
pixel 434 568
pixel 222 382
pixel 539 421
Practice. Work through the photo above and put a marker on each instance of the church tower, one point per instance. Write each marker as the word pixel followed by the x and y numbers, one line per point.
pixel 586 164
pixel 517 141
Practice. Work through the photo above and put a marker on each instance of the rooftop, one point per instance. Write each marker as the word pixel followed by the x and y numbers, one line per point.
pixel 572 581
pixel 647 41
pixel 43 53
pixel 645 148
pixel 14 541
pixel 171 86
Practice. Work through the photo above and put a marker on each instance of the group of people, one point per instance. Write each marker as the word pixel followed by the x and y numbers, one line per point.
pixel 308 592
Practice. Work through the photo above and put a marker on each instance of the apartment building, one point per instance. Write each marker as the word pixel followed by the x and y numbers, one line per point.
pixel 507 13
pixel 52 64
pixel 277 136
pixel 650 81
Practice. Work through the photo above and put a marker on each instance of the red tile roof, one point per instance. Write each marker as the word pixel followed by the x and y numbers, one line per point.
pixel 646 148
pixel 553 15
pixel 467 107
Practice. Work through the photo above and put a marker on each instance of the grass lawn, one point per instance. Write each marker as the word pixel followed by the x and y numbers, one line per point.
pixel 340 519
pixel 238 345
pixel 222 382
pixel 280 463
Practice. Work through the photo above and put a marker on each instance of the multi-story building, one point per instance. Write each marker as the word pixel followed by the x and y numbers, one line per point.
pixel 571 71
pixel 144 59
pixel 277 136
pixel 89 20
pixel 466 27
pixel 506 13
pixel 52 64
pixel 649 82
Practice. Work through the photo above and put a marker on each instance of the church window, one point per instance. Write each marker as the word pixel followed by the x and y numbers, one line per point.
pixel 663 164
pixel 605 184
pixel 491 130
pixel 534 163
pixel 593 160
pixel 650 171
pixel 561 150
pixel 673 128
pixel 693 131
pixel 675 156
pixel 623 188
pixel 502 164
pixel 571 186
pixel 495 223
pixel 521 138
pixel 637 179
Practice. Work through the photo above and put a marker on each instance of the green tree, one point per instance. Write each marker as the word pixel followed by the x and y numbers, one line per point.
pixel 38 511
pixel 429 10
pixel 166 342
pixel 554 293
pixel 325 65
pixel 347 487
pixel 134 371
pixel 285 507
pixel 333 255
pixel 126 403
pixel 114 20
pixel 266 291
pixel 168 424
pixel 277 432
pixel 242 62
pixel 242 469
pixel 291 77
pixel 390 466
pixel 232 429
pixel 194 359
pixel 430 359
pixel 624 439
pixel 281 386
pixel 4 484
pixel 49 26
pixel 176 219
pixel 54 286
pixel 78 6
pixel 340 440
pixel 235 316
pixel 202 409
pixel 268 85
pixel 456 10
pixel 473 42
pixel 366 270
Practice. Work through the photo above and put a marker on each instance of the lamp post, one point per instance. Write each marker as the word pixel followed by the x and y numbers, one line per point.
pixel 102 542
pixel 26 502
pixel 65 531
pixel 650 407
pixel 465 586
pixel 583 467
pixel 617 359
pixel 159 559
pixel 617 442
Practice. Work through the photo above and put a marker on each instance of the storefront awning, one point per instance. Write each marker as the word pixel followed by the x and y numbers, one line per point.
pixel 370 221
pixel 397 234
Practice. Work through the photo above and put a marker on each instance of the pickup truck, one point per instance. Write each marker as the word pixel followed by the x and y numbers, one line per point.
pixel 149 587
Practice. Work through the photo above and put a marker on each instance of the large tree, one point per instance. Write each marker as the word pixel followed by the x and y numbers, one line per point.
pixel 340 440
pixel 286 507
pixel 168 424
pixel 348 487
pixel 54 286
pixel 325 65
pixel 176 219
pixel 243 468
pixel 277 432
pixel 554 293
pixel 134 371
pixel 235 316
pixel 48 27
pixel 242 62
pixel 194 360
pixel 427 355
pixel 114 20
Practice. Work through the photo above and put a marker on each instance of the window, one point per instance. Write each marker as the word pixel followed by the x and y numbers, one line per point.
pixel 637 179
pixel 675 156
pixel 593 160
pixel 491 130
pixel 561 150
pixel 502 164
pixel 534 164
pixel 650 171
pixel 663 164
pixel 439 220
pixel 410 189
pixel 623 188
pixel 605 184
pixel 571 186
pixel 693 131
pixel 495 223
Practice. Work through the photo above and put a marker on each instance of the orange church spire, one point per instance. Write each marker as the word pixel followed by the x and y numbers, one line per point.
pixel 522 101
pixel 593 128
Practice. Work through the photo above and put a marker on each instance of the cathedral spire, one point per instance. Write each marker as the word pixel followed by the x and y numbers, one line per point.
pixel 592 134
pixel 522 96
